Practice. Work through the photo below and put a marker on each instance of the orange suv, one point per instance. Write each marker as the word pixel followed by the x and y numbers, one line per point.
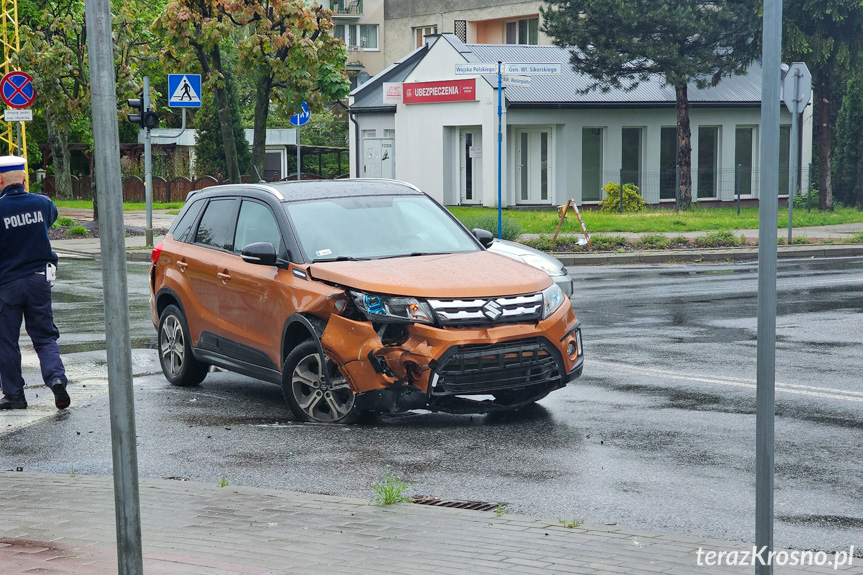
pixel 356 296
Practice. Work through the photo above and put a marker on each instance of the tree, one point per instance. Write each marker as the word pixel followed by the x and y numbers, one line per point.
pixel 194 31
pixel 825 35
pixel 848 168
pixel 620 43
pixel 294 58
pixel 209 152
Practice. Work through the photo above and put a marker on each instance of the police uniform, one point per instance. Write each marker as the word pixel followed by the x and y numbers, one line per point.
pixel 26 269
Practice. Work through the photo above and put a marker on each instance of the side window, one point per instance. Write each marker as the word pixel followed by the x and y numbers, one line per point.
pixel 217 224
pixel 256 224
pixel 183 229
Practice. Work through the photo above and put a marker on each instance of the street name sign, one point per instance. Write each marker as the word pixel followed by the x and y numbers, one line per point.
pixel 532 69
pixel 476 68
pixel 516 81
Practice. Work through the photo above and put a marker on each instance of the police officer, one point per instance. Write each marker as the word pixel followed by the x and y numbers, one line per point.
pixel 27 267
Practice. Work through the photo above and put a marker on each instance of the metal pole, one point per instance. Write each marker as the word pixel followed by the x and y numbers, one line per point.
pixel 148 169
pixel 809 188
pixel 499 148
pixel 792 156
pixel 109 187
pixel 677 188
pixel 767 236
pixel 621 190
pixel 298 150
pixel 738 185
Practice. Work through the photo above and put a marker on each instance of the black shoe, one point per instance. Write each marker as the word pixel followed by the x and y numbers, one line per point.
pixel 13 402
pixel 61 397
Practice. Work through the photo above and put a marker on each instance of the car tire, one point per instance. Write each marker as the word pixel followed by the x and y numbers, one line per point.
pixel 175 350
pixel 305 388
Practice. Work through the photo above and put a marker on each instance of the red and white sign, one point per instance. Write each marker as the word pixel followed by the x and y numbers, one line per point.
pixel 445 91
pixel 393 93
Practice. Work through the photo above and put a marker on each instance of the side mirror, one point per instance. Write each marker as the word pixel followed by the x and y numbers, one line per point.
pixel 485 237
pixel 262 253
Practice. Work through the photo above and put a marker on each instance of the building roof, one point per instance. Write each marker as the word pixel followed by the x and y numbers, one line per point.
pixel 566 90
pixel 370 96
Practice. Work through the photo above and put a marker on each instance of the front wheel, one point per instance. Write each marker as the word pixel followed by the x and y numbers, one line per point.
pixel 175 350
pixel 307 392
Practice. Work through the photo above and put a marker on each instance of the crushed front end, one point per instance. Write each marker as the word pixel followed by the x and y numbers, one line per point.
pixel 459 355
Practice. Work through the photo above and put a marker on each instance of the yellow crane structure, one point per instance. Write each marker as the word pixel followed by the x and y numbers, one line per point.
pixel 9 142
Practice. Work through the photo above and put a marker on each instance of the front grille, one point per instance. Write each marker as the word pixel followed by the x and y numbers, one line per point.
pixel 478 369
pixel 504 309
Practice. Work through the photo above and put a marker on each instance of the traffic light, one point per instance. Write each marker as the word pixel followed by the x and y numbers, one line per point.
pixel 147 119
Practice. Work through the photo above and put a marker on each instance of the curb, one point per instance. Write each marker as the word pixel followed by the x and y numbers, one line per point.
pixel 708 255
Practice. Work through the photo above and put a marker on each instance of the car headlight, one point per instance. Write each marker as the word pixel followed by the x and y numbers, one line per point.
pixel 384 308
pixel 552 299
pixel 540 262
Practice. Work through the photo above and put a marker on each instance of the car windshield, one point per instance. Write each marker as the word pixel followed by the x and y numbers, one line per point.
pixel 373 227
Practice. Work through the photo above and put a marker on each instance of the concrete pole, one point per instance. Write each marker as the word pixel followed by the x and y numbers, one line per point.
pixel 109 187
pixel 148 168
pixel 767 239
pixel 792 160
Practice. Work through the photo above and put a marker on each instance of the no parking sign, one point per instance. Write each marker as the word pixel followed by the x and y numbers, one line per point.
pixel 16 90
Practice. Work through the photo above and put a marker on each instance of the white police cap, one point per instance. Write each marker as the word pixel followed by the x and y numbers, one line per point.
pixel 10 163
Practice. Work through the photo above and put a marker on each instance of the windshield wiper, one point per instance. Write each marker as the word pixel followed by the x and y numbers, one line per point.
pixel 338 259
pixel 413 255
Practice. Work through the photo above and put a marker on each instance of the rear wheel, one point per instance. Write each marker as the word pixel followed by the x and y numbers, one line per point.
pixel 307 392
pixel 175 350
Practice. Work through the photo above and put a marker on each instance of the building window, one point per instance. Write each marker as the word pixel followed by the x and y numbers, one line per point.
pixel 524 31
pixel 743 148
pixel 420 34
pixel 708 159
pixel 460 29
pixel 630 154
pixel 363 36
pixel 591 164
pixel 668 163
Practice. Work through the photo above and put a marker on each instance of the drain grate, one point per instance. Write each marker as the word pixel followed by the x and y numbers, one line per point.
pixel 470 505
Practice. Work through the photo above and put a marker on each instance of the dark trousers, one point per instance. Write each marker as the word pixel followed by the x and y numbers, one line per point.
pixel 29 299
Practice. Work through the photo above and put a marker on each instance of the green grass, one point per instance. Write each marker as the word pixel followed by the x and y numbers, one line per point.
pixel 390 489
pixel 88 205
pixel 653 220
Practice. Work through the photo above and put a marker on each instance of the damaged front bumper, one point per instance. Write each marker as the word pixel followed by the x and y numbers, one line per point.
pixel 440 369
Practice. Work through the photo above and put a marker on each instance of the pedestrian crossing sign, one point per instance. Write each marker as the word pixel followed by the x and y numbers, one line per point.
pixel 184 90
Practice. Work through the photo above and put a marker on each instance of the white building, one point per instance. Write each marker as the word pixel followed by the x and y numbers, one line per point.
pixel 438 130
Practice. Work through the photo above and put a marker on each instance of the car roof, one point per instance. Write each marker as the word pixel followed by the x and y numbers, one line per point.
pixel 296 191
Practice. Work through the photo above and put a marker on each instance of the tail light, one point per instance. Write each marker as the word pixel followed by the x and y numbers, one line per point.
pixel 157 251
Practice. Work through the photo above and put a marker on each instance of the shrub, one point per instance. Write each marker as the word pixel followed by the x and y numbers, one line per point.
pixel 511 228
pixel 855 239
pixel 653 242
pixel 680 242
pixel 606 243
pixel 718 239
pixel 632 202
pixel 800 201
pixel 64 223
pixel 78 231
pixel 542 243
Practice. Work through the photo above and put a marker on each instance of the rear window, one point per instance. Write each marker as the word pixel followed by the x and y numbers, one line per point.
pixel 217 224
pixel 183 228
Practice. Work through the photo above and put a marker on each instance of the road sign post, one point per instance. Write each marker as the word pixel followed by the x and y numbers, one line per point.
pixel 796 91
pixel 517 75
pixel 300 119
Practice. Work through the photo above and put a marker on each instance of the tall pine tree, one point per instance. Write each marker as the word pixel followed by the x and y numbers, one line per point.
pixel 620 43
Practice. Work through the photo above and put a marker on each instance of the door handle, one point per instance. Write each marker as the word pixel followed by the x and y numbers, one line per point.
pixel 182 266
pixel 224 276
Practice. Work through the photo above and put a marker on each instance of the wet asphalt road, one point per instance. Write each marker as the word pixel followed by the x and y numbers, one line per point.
pixel 659 433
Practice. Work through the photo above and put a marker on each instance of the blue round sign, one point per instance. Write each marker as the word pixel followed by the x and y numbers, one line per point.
pixel 16 90
pixel 301 118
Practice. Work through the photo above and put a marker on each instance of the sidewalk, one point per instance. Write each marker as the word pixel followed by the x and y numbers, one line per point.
pixel 136 245
pixel 65 525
